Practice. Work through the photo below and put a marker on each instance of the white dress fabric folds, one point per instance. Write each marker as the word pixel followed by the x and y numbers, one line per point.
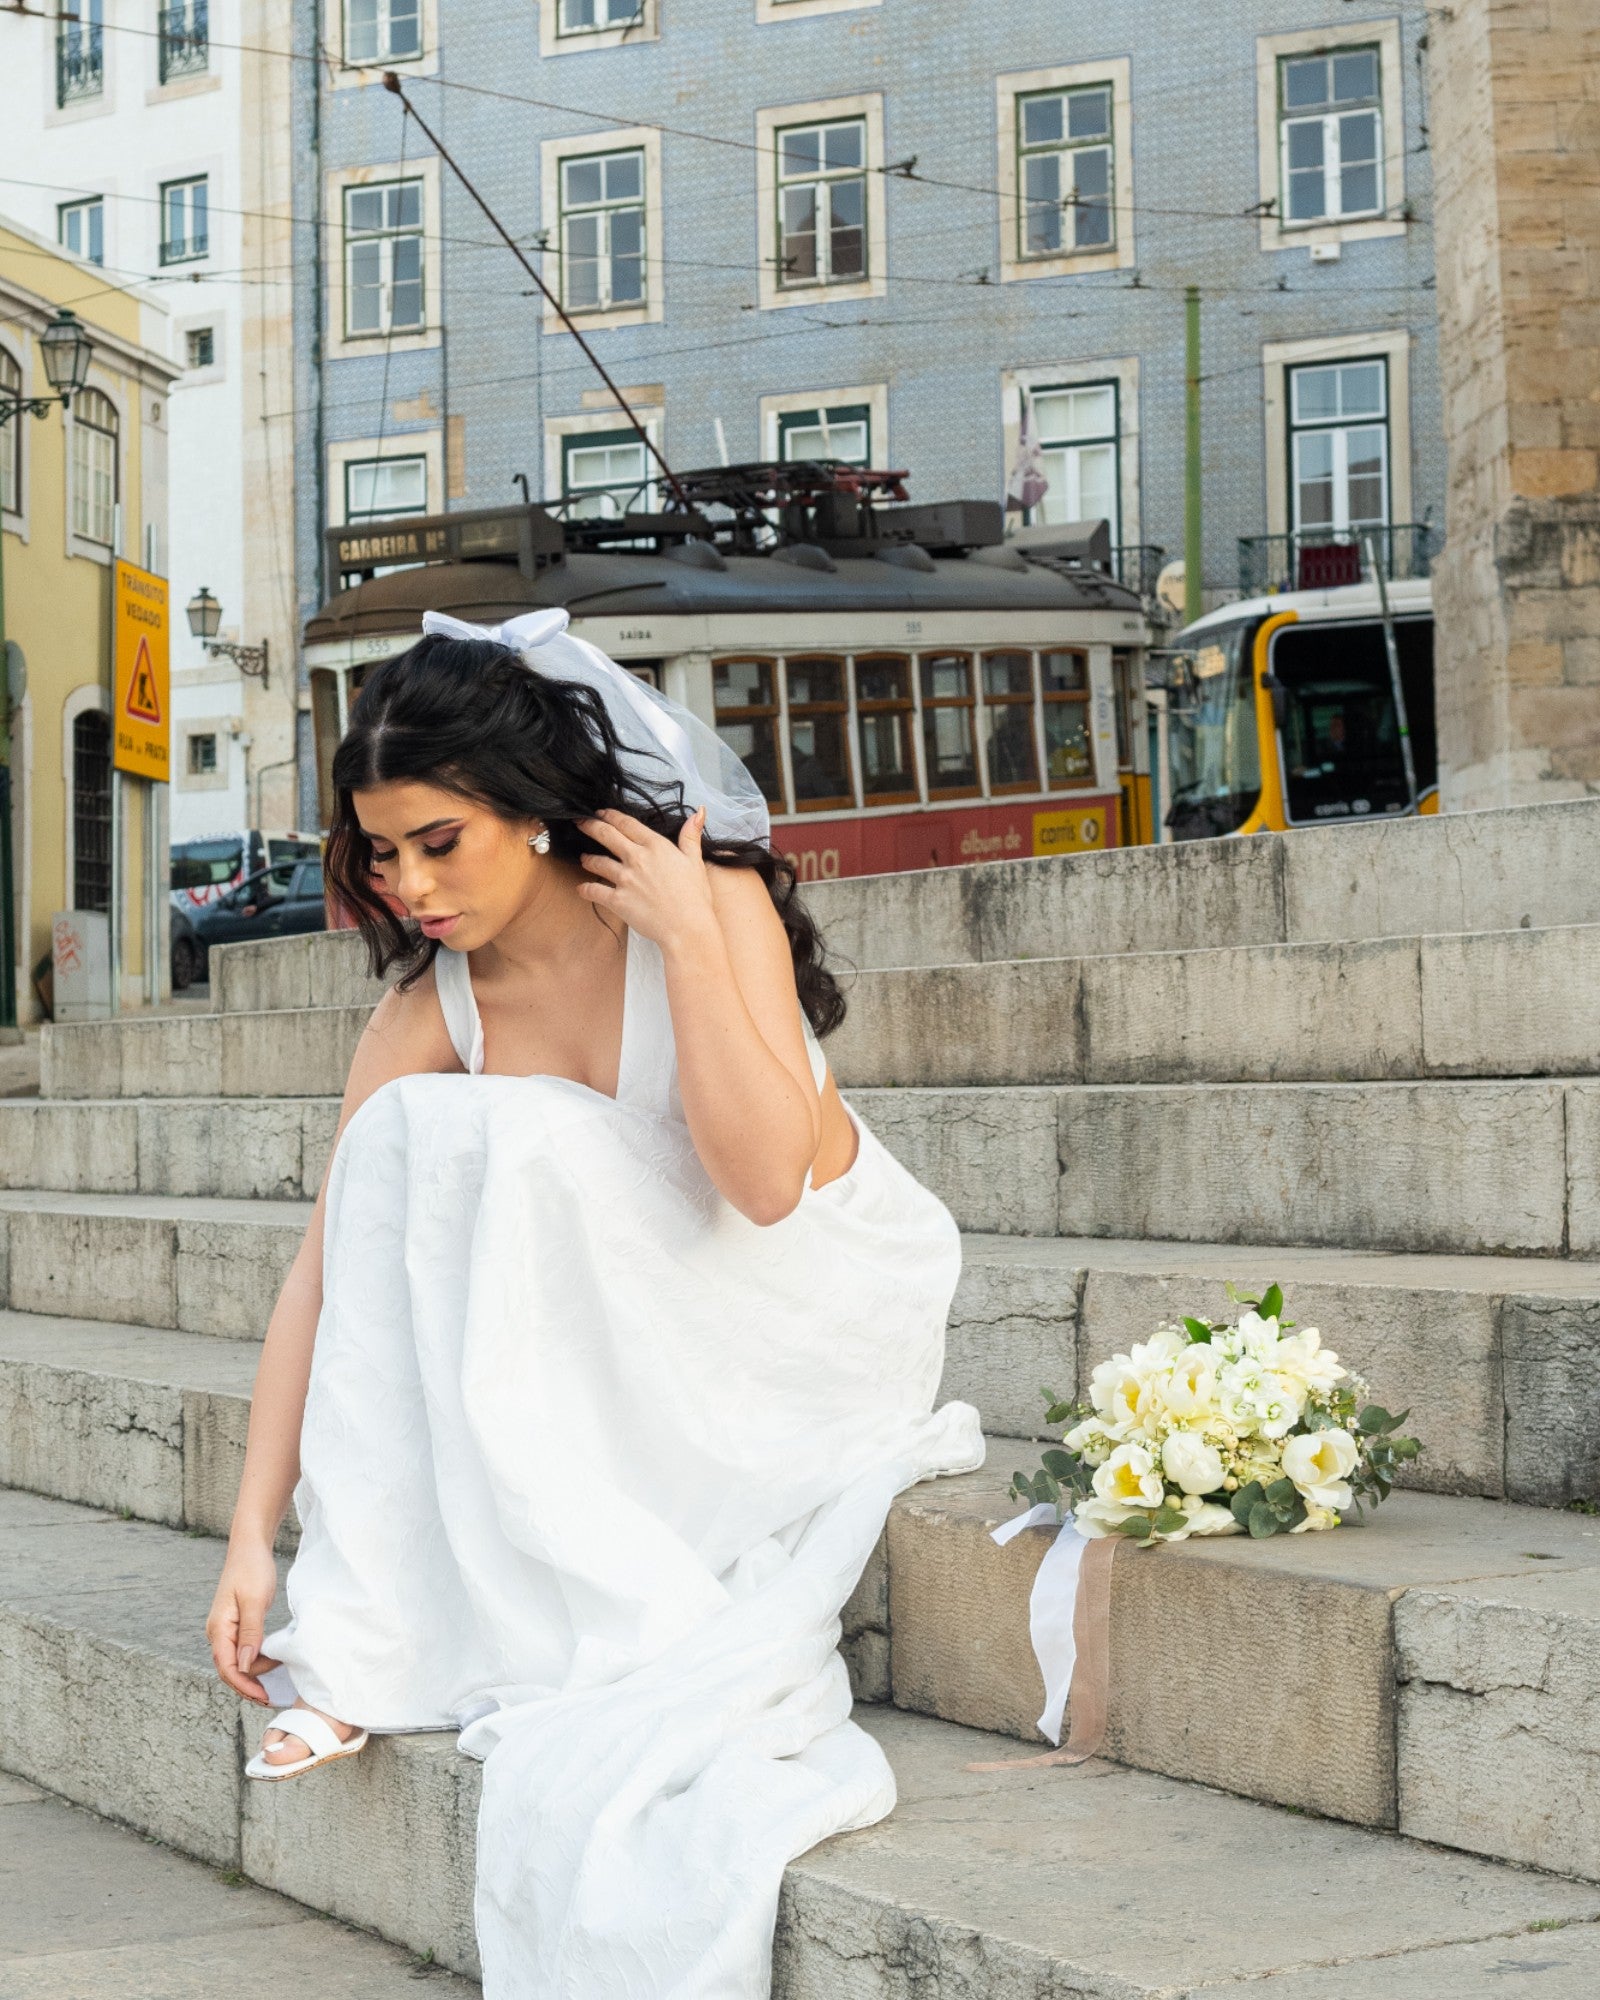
pixel 589 1467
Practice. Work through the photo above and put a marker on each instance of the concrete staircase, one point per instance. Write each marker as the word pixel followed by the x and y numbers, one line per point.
pixel 1363 1062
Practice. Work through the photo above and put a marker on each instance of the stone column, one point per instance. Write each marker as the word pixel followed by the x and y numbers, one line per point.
pixel 1514 89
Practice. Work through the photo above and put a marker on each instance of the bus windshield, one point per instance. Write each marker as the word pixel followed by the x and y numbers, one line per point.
pixel 203 864
pixel 1338 728
pixel 1214 754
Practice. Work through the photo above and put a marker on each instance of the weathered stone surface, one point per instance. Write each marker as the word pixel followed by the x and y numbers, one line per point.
pixel 221 1147
pixel 990 1155
pixel 1583 1169
pixel 1019 1022
pixel 1551 1357
pixel 45 1144
pixel 1499 1742
pixel 226 1279
pixel 300 1053
pixel 109 1439
pixel 1512 1003
pixel 1013 1329
pixel 1472 1168
pixel 321 969
pixel 154 1055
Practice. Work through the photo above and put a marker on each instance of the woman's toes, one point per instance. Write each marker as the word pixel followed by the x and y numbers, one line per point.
pixel 287 1749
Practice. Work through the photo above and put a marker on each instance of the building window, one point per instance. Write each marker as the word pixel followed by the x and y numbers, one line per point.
pixel 602 231
pixel 184 229
pixel 822 203
pixel 842 432
pixel 1077 431
pixel 604 475
pixel 382 30
pixel 80 228
pixel 1010 749
pixel 1339 446
pixel 185 39
pixel 745 696
pixel 383 290
pixel 949 738
pixel 1064 684
pixel 80 51
pixel 1330 117
pixel 203 755
pixel 95 425
pixel 594 17
pixel 91 810
pixel 819 720
pixel 377 488
pixel 883 730
pixel 200 346
pixel 10 436
pixel 1064 169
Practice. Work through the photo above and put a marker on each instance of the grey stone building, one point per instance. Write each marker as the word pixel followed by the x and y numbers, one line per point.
pixel 913 236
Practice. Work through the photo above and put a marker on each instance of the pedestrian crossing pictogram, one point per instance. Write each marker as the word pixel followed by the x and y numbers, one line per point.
pixel 144 704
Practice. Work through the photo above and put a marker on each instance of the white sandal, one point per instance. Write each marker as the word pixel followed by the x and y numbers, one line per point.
pixel 305 1723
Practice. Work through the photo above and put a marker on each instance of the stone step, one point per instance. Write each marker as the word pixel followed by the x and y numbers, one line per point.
pixel 1493 1004
pixel 1498 1359
pixel 978 1884
pixel 250 1149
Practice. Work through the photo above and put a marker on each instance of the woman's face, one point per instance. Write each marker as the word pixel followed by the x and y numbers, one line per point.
pixel 461 870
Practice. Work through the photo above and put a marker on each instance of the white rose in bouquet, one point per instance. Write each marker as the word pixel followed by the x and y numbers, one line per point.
pixel 1190 1389
pixel 1303 1360
pixel 1320 1464
pixel 1121 1394
pixel 1191 1464
pixel 1130 1479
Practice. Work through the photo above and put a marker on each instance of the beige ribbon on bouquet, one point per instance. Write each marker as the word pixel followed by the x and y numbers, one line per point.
pixel 1069 1617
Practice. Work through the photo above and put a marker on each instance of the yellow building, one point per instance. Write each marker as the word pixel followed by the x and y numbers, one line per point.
pixel 83 499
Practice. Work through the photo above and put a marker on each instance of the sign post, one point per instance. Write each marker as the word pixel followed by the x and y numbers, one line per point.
pixel 141 715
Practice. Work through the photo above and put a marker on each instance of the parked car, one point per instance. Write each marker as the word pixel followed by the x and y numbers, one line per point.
pixel 204 870
pixel 274 902
pixel 188 953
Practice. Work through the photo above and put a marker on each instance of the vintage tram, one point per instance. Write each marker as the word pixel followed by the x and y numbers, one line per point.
pixel 909 688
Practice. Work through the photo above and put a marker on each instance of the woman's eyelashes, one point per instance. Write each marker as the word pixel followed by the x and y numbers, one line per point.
pixel 434 853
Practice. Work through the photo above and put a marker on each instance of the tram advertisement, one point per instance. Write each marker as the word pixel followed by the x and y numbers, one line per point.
pixel 828 847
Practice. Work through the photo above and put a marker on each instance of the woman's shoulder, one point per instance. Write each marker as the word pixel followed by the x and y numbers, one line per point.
pixel 406 1033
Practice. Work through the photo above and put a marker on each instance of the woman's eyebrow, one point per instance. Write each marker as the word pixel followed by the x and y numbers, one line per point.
pixel 433 826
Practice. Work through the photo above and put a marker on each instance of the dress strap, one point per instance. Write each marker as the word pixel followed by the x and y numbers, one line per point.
pixel 452 977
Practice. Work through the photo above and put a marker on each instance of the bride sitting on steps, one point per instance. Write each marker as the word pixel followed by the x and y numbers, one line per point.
pixel 613 1333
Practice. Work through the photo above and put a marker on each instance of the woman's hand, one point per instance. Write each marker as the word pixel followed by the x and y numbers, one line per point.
pixel 239 1610
pixel 657 886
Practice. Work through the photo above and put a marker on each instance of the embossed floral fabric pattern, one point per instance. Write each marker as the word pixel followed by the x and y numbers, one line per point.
pixel 590 1464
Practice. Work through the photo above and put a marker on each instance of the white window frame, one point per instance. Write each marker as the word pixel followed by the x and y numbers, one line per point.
pixel 1067 151
pixel 385 53
pixel 552 154
pixel 82 204
pixel 875 395
pixel 1338 430
pixel 1270 53
pixel 602 213
pixel 1121 370
pixel 342 346
pixel 1331 123
pixel 554 41
pixel 799 10
pixel 414 459
pixel 341 74
pixel 820 181
pixel 426 445
pixel 559 432
pixel 78 542
pixel 868 108
pixel 14 437
pixel 614 433
pixel 184 183
pixel 1010 89
pixel 194 378
pixel 223 728
pixel 1279 357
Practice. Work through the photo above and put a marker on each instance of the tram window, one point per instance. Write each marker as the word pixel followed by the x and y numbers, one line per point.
pixel 1215 748
pixel 1008 723
pixel 1065 680
pixel 747 720
pixel 949 748
pixel 883 725
pixel 1340 735
pixel 819 755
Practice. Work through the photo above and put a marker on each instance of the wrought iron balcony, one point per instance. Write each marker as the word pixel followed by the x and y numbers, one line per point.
pixel 80 58
pixel 185 40
pixel 1136 565
pixel 1321 558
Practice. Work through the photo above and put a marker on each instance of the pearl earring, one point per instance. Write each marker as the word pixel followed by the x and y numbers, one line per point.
pixel 540 841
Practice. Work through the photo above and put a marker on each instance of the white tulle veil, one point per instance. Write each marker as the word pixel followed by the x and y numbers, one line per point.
pixel 661 741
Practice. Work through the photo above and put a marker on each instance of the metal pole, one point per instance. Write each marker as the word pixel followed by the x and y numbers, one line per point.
pixel 114 919
pixel 1397 686
pixel 1193 559
pixel 8 970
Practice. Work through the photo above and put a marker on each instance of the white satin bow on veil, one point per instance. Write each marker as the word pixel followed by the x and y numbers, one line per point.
pixel 661 740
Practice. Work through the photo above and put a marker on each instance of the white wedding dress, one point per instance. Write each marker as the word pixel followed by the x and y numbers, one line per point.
pixel 590 1464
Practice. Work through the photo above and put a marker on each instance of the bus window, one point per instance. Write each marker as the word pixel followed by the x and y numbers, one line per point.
pixel 746 701
pixel 1065 679
pixel 949 745
pixel 1214 741
pixel 819 756
pixel 1008 723
pixel 206 864
pixel 883 720
pixel 1340 735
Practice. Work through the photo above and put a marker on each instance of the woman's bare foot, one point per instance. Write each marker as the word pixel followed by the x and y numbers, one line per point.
pixel 279 1748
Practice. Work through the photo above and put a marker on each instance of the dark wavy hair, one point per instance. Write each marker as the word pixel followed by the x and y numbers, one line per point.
pixel 468 716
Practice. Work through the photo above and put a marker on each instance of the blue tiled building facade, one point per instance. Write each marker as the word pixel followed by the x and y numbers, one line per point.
pixel 926 236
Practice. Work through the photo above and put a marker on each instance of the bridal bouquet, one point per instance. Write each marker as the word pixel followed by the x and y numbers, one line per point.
pixel 1220 1428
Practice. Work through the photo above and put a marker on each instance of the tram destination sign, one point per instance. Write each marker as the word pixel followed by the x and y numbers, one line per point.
pixel 527 536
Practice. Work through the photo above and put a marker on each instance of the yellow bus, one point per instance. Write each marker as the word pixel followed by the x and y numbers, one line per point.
pixel 1306 708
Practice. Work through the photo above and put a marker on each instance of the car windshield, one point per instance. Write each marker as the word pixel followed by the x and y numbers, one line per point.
pixel 1340 733
pixel 202 864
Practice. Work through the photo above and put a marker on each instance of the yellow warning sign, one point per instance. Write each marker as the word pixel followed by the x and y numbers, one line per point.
pixel 141 673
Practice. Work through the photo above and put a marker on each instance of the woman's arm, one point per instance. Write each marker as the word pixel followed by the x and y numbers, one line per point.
pixel 405 1036
pixel 743 1071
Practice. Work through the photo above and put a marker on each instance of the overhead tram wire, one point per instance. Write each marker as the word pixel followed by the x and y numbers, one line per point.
pixel 391 83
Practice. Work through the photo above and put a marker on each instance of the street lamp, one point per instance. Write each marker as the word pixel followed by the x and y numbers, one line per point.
pixel 67 350
pixel 205 615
